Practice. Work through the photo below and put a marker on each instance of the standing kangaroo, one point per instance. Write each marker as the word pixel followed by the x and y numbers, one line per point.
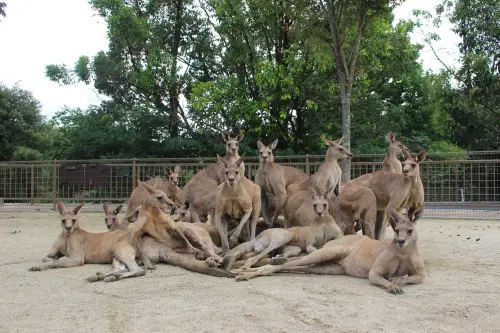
pixel 237 197
pixel 171 186
pixel 388 265
pixel 391 162
pixel 273 180
pixel 392 190
pixel 201 190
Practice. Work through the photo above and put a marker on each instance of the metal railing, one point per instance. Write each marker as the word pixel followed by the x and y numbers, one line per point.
pixel 456 184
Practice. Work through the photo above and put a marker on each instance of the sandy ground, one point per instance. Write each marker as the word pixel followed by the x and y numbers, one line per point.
pixel 461 293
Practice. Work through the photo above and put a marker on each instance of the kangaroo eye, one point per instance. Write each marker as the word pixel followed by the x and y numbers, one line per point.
pixel 73 220
pixel 183 214
pixel 324 205
pixel 237 172
pixel 62 221
pixel 314 205
pixel 410 231
pixel 159 198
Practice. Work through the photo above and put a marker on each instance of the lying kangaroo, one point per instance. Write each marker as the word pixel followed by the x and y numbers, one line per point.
pixel 392 190
pixel 158 223
pixel 75 247
pixel 391 162
pixel 201 190
pixel 389 265
pixel 238 198
pixel 199 233
pixel 139 194
pixel 273 180
pixel 355 205
pixel 296 240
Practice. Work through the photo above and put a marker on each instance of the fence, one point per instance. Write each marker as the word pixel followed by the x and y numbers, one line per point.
pixel 456 185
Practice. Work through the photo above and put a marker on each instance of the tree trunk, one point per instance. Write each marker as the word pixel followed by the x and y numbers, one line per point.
pixel 175 87
pixel 345 100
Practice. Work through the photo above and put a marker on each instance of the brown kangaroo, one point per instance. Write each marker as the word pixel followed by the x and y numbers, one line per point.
pixel 273 180
pixel 391 162
pixel 392 190
pixel 294 241
pixel 238 198
pixel 388 265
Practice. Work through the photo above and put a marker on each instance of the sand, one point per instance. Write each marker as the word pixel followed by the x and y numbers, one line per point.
pixel 461 293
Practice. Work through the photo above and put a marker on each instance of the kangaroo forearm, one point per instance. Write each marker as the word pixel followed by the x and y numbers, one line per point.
pixel 379 280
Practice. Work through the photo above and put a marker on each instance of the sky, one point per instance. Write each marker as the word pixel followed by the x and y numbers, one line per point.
pixel 37 33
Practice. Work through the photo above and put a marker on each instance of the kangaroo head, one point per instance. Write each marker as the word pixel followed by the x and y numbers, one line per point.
pixel 320 203
pixel 404 230
pixel 411 166
pixel 232 143
pixel 232 171
pixel 69 218
pixel 336 150
pixel 266 153
pixel 181 213
pixel 110 216
pixel 173 176
pixel 155 196
pixel 394 146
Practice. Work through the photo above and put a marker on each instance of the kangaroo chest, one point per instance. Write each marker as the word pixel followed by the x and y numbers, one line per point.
pixel 235 208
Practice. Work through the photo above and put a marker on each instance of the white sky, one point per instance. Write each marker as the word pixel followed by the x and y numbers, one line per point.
pixel 37 33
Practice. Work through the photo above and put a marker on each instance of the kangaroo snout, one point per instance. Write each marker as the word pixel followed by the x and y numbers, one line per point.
pixel 401 242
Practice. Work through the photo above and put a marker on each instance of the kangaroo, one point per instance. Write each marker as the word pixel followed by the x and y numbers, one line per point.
pixel 392 190
pixel 201 190
pixel 199 233
pixel 294 240
pixel 138 195
pixel 388 265
pixel 111 216
pixel 170 187
pixel 273 180
pixel 327 178
pixel 391 162
pixel 236 197
pixel 355 205
pixel 76 247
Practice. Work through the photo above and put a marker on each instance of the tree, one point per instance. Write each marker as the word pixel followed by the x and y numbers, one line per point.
pixel 3 5
pixel 20 122
pixel 348 21
pixel 156 48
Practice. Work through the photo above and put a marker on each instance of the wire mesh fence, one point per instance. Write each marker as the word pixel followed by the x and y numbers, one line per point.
pixel 456 185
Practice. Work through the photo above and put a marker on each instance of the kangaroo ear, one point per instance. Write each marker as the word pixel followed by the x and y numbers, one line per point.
pixel 118 210
pixel 61 207
pixel 223 160
pixel 274 144
pixel 173 211
pixel 105 206
pixel 260 144
pixel 390 137
pixel 328 142
pixel 421 156
pixel 417 215
pixel 225 136
pixel 77 208
pixel 168 171
pixel 393 218
pixel 339 141
pixel 240 160
pixel 158 182
pixel 240 137
pixel 312 192
pixel 186 204
pixel 145 186
pixel 177 169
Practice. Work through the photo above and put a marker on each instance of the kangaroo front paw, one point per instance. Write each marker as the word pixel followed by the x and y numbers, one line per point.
pixel 111 278
pixel 399 281
pixel 233 241
pixel 35 269
pixel 394 289
pixel 212 262
pixel 278 260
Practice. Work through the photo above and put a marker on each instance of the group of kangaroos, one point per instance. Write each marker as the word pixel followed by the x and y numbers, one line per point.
pixel 223 224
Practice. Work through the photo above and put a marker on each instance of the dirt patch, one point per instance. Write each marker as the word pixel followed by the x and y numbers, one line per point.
pixel 460 294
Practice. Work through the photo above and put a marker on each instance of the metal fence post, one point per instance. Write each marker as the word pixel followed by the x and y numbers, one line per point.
pixel 308 166
pixel 54 184
pixel 134 180
pixel 32 184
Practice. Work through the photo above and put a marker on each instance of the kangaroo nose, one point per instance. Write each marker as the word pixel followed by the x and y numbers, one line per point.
pixel 350 155
pixel 68 228
pixel 320 214
pixel 401 241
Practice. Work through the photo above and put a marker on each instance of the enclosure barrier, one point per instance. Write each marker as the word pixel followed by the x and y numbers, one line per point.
pixel 456 185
